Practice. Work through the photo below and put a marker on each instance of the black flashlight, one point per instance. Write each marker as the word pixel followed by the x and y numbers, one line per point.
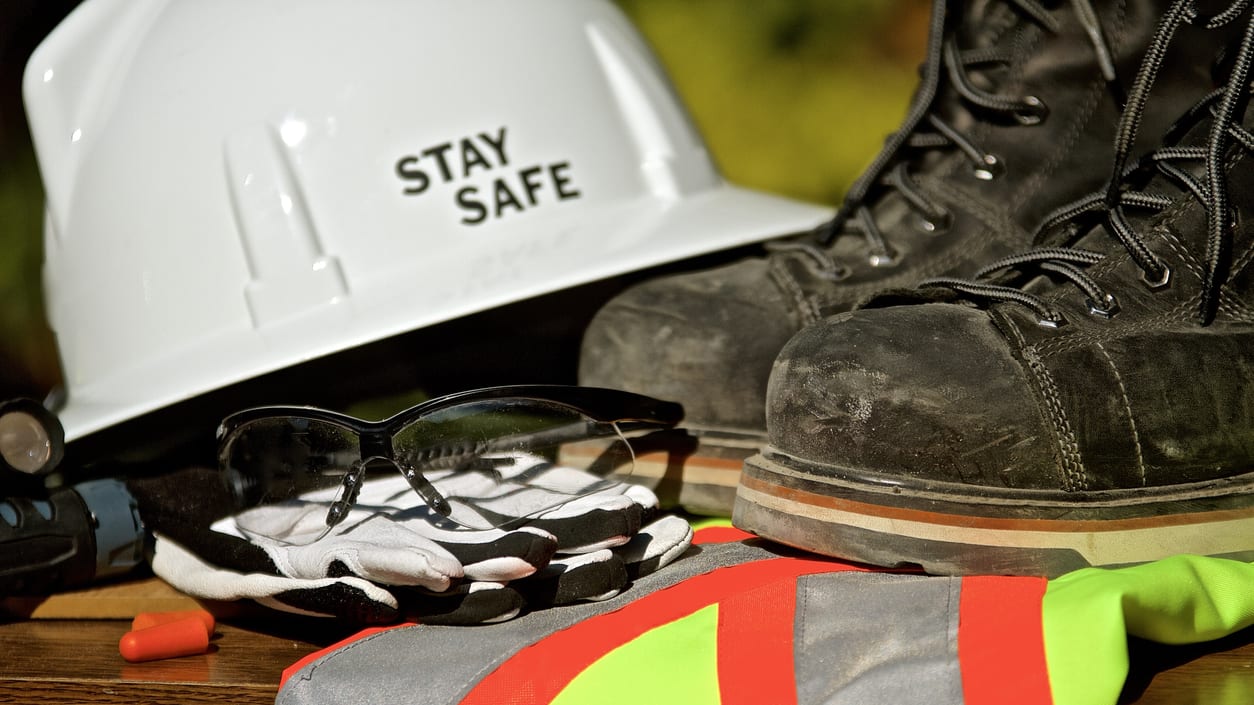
pixel 32 441
pixel 54 538
pixel 68 537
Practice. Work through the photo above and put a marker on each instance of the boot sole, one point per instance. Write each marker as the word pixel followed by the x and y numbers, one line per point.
pixel 945 528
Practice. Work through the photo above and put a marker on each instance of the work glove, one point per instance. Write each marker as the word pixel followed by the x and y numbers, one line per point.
pixel 608 532
pixel 605 540
pixel 393 558
pixel 354 573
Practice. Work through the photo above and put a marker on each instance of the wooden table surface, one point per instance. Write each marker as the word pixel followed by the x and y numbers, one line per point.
pixel 55 661
pixel 1219 672
pixel 51 654
pixel 65 649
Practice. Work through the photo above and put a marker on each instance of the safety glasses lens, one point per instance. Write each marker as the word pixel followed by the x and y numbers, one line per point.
pixel 501 462
pixel 275 459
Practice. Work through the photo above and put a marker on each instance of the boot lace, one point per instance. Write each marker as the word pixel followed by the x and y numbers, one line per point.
pixel 924 129
pixel 1223 107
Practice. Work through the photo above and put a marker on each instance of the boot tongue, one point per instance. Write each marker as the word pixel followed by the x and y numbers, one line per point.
pixel 984 22
pixel 1188 224
pixel 1154 182
pixel 993 28
pixel 975 25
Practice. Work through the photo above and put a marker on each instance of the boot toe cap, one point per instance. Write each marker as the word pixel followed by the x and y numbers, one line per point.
pixel 916 393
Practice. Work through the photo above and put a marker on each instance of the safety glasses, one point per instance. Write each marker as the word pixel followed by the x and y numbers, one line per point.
pixel 486 458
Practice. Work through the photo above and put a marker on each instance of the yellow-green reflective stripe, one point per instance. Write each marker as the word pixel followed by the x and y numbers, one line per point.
pixel 674 664
pixel 1088 615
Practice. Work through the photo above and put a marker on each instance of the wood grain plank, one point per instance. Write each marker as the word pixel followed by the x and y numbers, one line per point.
pixel 121 600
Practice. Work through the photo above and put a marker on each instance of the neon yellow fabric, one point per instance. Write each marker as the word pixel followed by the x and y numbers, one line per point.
pixel 1087 616
pixel 682 655
pixel 702 522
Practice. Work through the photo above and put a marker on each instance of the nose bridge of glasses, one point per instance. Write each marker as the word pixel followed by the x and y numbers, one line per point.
pixel 377 447
pixel 376 444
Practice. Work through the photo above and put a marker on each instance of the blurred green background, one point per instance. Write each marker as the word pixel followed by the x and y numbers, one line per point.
pixel 792 96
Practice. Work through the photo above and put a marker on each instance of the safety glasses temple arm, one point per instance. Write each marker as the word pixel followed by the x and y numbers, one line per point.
pixel 453 455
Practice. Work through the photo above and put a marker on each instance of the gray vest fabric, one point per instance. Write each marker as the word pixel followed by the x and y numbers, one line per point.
pixel 858 638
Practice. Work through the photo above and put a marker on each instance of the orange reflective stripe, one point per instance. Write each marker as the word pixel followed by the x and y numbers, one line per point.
pixel 1001 643
pixel 755 645
pixel 537 673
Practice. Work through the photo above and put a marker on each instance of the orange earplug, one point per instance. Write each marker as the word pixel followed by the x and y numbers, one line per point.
pixel 143 620
pixel 182 637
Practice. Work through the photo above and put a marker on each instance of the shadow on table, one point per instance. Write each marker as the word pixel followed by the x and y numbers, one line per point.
pixel 1218 672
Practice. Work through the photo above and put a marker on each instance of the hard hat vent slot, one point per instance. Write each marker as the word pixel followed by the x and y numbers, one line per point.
pixel 673 158
pixel 288 270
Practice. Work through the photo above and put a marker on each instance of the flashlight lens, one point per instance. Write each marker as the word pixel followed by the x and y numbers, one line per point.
pixel 24 442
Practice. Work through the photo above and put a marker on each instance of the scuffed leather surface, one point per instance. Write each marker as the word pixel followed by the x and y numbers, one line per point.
pixel 928 391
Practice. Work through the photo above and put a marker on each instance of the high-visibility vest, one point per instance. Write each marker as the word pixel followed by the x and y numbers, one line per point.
pixel 743 621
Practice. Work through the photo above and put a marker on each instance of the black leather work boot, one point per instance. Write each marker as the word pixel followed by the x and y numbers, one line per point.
pixel 1015 115
pixel 1085 402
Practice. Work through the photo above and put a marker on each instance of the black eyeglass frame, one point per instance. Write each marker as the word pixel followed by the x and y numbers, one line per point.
pixel 626 411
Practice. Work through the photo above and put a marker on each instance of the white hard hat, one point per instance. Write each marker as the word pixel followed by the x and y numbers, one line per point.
pixel 237 186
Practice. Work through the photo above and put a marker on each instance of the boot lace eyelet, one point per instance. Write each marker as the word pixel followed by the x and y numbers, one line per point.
pixel 1106 308
pixel 1053 321
pixel 1032 112
pixel 1158 284
pixel 888 258
pixel 935 224
pixel 989 168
